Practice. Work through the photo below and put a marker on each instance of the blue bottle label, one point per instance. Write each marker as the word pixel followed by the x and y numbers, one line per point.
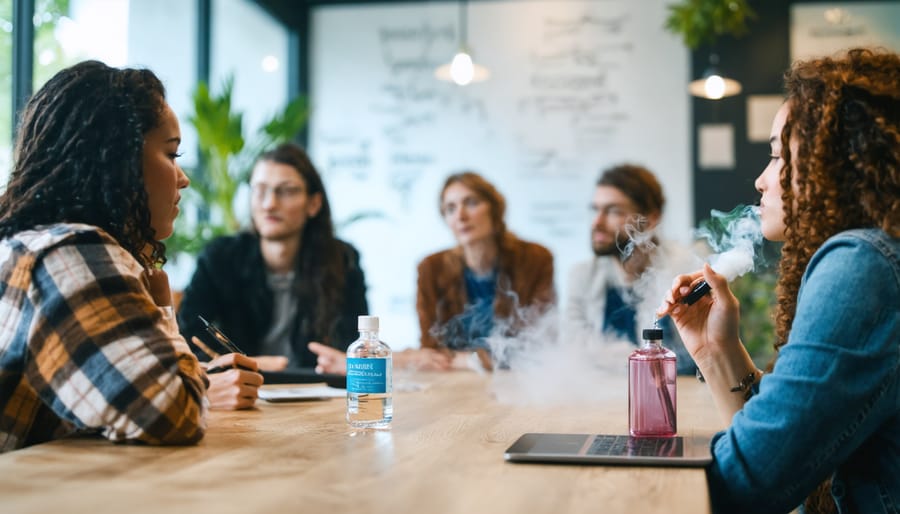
pixel 367 375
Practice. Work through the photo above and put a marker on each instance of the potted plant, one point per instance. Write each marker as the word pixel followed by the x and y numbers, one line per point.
pixel 702 21
pixel 226 161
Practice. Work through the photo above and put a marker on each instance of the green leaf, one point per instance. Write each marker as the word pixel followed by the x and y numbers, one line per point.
pixel 291 121
pixel 227 159
pixel 703 21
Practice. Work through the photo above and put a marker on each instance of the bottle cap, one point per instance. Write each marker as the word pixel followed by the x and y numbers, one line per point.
pixel 652 334
pixel 368 323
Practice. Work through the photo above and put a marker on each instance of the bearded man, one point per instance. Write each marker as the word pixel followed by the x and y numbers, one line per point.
pixel 605 298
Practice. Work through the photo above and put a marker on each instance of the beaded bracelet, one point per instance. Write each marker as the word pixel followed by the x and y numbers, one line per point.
pixel 746 385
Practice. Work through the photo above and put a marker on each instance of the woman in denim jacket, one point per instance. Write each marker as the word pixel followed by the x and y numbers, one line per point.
pixel 826 417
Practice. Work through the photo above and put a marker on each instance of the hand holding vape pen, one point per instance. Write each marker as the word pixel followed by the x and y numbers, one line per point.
pixel 696 293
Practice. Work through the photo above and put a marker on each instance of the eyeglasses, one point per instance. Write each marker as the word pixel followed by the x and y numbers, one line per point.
pixel 611 210
pixel 259 192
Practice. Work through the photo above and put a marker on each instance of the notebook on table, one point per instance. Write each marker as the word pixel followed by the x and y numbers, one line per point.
pixel 303 376
pixel 301 393
pixel 610 449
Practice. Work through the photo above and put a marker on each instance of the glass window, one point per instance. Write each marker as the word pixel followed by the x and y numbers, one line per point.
pixel 68 31
pixel 5 90
pixel 251 46
pixel 117 32
pixel 158 35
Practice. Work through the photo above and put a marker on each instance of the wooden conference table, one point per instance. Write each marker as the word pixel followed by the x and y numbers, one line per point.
pixel 444 454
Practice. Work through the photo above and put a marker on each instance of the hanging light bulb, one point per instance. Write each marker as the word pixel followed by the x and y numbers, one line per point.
pixel 462 70
pixel 714 85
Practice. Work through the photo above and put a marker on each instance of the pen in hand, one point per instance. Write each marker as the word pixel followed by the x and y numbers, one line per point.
pixel 220 337
pixel 212 354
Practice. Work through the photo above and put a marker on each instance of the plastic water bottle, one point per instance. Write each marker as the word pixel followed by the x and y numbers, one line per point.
pixel 651 388
pixel 369 373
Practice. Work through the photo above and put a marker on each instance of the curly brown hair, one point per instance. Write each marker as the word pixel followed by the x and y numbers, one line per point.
pixel 78 154
pixel 844 120
pixel 844 116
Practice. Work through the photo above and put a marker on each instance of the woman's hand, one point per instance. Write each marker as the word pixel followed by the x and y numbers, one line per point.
pixel 710 325
pixel 237 384
pixel 709 329
pixel 425 359
pixel 334 361
pixel 330 360
pixel 158 283
pixel 271 362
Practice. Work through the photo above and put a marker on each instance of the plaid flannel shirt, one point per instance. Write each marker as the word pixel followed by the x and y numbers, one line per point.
pixel 84 348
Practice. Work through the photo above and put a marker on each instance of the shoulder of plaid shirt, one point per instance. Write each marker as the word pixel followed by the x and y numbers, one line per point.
pixel 84 348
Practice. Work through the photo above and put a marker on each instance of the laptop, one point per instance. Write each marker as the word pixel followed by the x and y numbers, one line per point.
pixel 626 450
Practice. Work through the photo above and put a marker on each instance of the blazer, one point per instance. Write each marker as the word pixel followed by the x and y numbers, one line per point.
pixel 229 288
pixel 524 283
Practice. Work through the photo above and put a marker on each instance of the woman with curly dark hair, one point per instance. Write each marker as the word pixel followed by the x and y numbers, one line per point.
pixel 828 409
pixel 84 344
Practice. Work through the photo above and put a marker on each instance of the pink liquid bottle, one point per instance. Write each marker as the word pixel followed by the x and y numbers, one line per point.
pixel 651 388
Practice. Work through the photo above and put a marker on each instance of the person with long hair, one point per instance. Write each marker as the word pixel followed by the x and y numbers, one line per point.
pixel 85 346
pixel 822 426
pixel 287 281
pixel 492 282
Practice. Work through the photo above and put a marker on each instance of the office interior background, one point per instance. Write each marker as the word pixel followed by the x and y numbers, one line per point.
pixel 575 86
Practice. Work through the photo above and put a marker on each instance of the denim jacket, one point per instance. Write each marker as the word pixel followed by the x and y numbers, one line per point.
pixel 831 406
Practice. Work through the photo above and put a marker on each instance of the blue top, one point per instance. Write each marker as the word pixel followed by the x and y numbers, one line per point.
pixel 619 316
pixel 832 403
pixel 477 318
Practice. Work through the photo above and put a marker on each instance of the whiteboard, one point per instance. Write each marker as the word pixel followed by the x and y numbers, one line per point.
pixel 575 86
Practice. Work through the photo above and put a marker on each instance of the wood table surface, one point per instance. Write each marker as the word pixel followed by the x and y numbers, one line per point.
pixel 444 454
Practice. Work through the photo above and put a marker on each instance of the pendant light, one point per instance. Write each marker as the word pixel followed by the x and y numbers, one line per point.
pixel 462 70
pixel 713 85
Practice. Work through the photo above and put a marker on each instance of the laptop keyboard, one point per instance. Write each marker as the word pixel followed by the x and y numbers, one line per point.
pixel 636 446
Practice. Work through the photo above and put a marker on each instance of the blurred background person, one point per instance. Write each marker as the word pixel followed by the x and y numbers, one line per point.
pixel 606 294
pixel 285 282
pixel 490 283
